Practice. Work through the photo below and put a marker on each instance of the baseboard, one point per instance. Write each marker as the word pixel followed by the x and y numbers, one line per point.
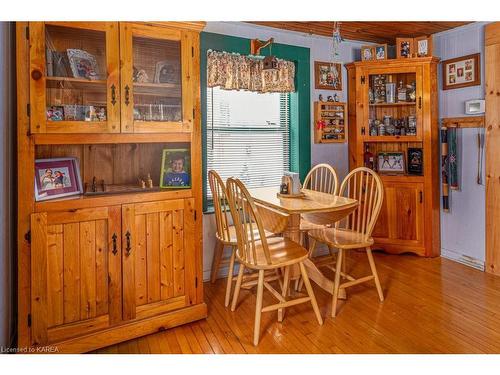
pixel 464 259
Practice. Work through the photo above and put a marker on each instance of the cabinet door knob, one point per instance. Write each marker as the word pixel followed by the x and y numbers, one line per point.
pixel 128 248
pixel 36 74
pixel 114 237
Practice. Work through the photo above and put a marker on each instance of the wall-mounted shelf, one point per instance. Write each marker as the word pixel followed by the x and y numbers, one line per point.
pixel 463 122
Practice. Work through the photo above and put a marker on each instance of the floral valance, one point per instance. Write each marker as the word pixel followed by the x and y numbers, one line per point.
pixel 232 71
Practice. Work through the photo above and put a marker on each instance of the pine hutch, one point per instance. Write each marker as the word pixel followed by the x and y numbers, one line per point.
pixel 97 269
pixel 409 220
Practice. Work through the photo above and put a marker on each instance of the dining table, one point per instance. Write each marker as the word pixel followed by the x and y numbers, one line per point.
pixel 283 214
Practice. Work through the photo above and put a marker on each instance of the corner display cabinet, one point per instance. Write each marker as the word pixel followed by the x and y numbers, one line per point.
pixel 106 266
pixel 393 129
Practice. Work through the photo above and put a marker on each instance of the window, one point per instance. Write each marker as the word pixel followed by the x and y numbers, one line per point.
pixel 248 136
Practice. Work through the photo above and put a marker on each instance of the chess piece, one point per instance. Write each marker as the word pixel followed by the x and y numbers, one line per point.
pixel 143 183
pixel 94 184
pixel 149 181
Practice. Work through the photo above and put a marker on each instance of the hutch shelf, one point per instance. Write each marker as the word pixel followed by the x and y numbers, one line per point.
pixel 393 111
pixel 95 270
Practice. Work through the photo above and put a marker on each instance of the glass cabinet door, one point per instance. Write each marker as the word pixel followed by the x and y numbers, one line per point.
pixel 154 79
pixel 74 77
pixel 394 105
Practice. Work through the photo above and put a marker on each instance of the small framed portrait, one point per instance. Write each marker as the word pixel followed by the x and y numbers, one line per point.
pixel 55 113
pixel 404 48
pixel 327 76
pixel 176 169
pixel 391 162
pixel 367 53
pixel 415 161
pixel 381 52
pixel 167 72
pixel 423 46
pixel 56 178
pixel 462 72
pixel 83 64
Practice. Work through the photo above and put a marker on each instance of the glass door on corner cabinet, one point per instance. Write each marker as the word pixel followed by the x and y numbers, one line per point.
pixel 74 84
pixel 394 104
pixel 153 79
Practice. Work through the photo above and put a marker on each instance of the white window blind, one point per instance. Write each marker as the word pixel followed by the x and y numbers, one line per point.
pixel 248 136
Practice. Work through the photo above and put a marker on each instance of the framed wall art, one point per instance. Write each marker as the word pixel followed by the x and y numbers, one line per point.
pixel 423 46
pixel 381 52
pixel 404 48
pixel 462 72
pixel 391 162
pixel 327 75
pixel 367 53
pixel 176 169
pixel 56 178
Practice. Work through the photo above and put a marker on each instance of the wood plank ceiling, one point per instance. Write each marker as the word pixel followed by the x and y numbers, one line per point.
pixel 377 32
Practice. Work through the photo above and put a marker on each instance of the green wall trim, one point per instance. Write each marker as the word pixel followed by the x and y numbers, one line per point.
pixel 300 100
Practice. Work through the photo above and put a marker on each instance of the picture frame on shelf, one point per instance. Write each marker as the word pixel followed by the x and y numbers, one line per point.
pixel 167 71
pixel 55 113
pixel 404 48
pixel 461 71
pixel 368 53
pixel 381 52
pixel 56 178
pixel 391 162
pixel 176 169
pixel 415 161
pixel 327 75
pixel 83 64
pixel 423 46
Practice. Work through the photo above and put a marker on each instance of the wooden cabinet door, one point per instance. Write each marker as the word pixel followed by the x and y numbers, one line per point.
pixel 158 257
pixel 75 272
pixel 401 219
pixel 159 78
pixel 74 77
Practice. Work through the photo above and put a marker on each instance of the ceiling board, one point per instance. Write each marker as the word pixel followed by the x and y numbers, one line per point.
pixel 376 32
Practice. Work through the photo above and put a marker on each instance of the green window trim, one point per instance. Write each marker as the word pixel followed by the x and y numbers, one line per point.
pixel 300 100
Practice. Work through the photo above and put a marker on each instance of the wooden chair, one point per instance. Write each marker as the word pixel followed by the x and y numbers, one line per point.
pixel 264 254
pixel 354 232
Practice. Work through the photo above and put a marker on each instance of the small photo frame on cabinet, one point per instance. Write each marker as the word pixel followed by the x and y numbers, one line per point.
pixel 176 169
pixel 391 162
pixel 167 72
pixel 404 48
pixel 381 52
pixel 327 76
pixel 56 178
pixel 423 46
pixel 368 53
pixel 415 161
pixel 462 72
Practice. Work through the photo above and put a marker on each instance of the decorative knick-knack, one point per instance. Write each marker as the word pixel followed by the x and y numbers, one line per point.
pixel 149 181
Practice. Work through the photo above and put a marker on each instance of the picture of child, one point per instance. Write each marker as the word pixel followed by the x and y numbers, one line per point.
pixel 175 171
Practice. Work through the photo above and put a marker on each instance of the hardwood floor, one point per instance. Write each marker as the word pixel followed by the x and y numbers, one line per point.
pixel 432 306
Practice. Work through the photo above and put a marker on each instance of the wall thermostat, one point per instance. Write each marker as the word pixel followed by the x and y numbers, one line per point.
pixel 474 107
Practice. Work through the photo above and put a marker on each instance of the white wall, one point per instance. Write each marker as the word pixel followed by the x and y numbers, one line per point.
pixel 320 50
pixel 7 75
pixel 463 228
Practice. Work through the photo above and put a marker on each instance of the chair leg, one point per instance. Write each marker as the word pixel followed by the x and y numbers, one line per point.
pixel 230 277
pixel 340 256
pixel 374 273
pixel 310 293
pixel 312 247
pixel 284 291
pixel 218 251
pixel 237 287
pixel 258 308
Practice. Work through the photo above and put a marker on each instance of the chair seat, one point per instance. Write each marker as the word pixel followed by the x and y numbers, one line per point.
pixel 340 238
pixel 233 239
pixel 283 252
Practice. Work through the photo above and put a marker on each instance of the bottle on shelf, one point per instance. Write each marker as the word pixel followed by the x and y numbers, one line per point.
pixel 401 92
pixel 368 157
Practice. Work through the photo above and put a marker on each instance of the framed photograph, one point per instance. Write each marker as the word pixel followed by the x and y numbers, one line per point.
pixel 423 46
pixel 167 72
pixel 391 162
pixel 327 75
pixel 176 169
pixel 56 178
pixel 368 53
pixel 83 64
pixel 381 52
pixel 415 161
pixel 404 48
pixel 55 113
pixel 462 72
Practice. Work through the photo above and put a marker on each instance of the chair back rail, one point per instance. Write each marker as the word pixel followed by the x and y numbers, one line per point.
pixel 221 205
pixel 364 185
pixel 248 223
pixel 323 178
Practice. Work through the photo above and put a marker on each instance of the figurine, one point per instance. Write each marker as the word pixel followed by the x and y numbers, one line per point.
pixel 335 98
pixel 94 184
pixel 142 183
pixel 149 181
pixel 321 99
pixel 139 75
pixel 330 98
